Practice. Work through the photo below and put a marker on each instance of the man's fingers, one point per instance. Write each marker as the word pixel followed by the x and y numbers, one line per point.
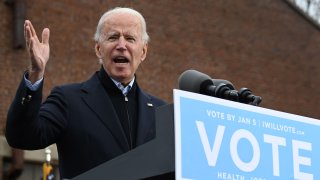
pixel 25 30
pixel 33 32
pixel 28 35
pixel 28 32
pixel 45 36
pixel 30 49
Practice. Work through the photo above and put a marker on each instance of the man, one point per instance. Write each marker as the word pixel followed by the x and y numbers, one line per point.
pixel 94 121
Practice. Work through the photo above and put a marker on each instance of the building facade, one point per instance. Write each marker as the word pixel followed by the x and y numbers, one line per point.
pixel 263 45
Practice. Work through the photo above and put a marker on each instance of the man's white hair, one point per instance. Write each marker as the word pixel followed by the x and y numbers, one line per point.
pixel 145 36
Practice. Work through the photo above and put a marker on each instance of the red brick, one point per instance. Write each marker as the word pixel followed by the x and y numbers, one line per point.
pixel 263 45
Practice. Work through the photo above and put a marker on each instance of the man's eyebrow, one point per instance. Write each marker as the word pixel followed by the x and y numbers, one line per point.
pixel 126 34
pixel 112 33
pixel 130 35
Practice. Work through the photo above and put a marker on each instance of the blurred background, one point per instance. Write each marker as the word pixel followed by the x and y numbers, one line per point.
pixel 271 47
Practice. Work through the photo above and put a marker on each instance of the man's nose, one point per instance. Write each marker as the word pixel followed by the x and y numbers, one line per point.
pixel 122 44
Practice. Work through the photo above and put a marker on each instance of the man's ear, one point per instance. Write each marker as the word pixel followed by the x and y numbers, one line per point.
pixel 97 49
pixel 144 52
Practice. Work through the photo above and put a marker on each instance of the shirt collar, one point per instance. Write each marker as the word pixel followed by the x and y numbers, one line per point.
pixel 124 89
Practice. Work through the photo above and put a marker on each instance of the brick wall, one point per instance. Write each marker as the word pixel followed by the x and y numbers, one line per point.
pixel 264 45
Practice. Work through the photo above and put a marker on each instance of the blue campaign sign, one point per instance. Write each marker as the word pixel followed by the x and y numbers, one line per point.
pixel 220 139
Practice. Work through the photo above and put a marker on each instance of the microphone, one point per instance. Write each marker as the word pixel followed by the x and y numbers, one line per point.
pixel 195 81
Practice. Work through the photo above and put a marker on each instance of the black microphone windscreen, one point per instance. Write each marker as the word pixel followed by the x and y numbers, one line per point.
pixel 191 80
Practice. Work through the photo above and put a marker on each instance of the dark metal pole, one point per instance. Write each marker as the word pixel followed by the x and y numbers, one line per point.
pixel 19 16
pixel 19 10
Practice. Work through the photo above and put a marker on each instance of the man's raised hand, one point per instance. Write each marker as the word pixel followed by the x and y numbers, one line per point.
pixel 39 51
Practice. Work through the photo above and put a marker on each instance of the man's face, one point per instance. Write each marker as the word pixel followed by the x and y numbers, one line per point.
pixel 121 47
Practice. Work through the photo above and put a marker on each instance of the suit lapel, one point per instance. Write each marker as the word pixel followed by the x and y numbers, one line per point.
pixel 98 100
pixel 146 121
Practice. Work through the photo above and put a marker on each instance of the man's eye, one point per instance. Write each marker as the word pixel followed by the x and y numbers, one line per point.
pixel 131 39
pixel 112 38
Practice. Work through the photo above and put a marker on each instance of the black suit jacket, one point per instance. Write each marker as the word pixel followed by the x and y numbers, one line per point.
pixel 80 119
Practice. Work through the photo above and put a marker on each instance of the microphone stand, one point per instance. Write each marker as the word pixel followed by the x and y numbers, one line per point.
pixel 246 96
pixel 224 91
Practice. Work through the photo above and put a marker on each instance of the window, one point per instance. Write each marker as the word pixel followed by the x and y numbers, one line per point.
pixel 309 8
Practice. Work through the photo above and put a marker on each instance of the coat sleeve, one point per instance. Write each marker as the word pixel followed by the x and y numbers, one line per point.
pixel 32 125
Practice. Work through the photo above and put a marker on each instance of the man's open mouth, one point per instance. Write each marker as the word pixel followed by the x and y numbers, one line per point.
pixel 120 59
